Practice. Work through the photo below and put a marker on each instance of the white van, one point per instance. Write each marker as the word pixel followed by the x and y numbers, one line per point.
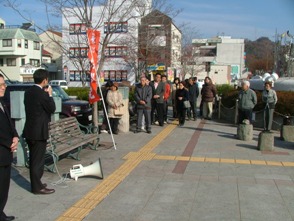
pixel 61 83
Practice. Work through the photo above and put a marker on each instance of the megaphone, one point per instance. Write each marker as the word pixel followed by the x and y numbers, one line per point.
pixel 94 169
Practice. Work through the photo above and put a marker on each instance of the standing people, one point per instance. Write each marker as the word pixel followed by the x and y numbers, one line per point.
pixel 175 86
pixel 247 101
pixel 193 95
pixel 39 105
pixel 182 95
pixel 208 94
pixel 269 97
pixel 158 89
pixel 165 97
pixel 8 144
pixel 104 127
pixel 143 96
pixel 114 100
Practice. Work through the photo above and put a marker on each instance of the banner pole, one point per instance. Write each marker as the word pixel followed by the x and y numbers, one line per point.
pixel 99 86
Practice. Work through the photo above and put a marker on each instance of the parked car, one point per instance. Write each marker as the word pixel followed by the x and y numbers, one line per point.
pixel 61 83
pixel 77 108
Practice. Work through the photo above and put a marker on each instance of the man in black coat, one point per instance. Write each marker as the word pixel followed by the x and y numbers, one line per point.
pixel 193 95
pixel 39 105
pixel 8 144
pixel 158 89
pixel 143 96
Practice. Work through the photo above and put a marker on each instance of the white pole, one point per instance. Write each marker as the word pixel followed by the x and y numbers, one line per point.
pixel 105 111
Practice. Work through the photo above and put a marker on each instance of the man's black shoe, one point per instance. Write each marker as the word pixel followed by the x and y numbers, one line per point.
pixel 137 131
pixel 7 218
pixel 44 191
pixel 149 131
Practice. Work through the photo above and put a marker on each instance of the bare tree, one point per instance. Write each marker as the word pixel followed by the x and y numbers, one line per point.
pixel 191 63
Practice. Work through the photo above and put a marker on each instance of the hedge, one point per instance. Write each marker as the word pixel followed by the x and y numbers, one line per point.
pixel 284 106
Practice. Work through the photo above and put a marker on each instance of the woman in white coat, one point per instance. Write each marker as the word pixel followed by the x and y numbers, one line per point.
pixel 114 101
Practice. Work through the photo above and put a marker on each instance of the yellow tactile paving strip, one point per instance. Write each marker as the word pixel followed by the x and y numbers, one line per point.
pixel 84 206
pixel 223 160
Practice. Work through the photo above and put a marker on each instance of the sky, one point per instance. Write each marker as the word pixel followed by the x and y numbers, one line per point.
pixel 237 18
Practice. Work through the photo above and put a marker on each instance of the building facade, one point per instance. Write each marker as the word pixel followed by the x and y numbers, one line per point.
pixel 159 44
pixel 219 56
pixel 119 52
pixel 20 51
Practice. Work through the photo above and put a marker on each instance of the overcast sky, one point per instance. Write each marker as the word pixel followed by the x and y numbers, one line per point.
pixel 237 18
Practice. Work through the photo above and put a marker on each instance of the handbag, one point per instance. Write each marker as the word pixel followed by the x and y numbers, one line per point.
pixel 187 104
pixel 119 111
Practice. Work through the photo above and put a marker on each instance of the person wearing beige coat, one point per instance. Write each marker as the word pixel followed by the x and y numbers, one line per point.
pixel 114 101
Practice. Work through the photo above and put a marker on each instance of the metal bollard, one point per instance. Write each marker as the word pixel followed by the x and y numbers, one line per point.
pixel 18 114
pixel 219 107
pixel 236 111
pixel 287 120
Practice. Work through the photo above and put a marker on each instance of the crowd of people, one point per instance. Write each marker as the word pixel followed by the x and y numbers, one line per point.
pixel 151 99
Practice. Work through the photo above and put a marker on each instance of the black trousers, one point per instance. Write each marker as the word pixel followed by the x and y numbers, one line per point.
pixel 4 187
pixel 245 115
pixel 165 110
pixel 182 115
pixel 193 109
pixel 37 160
pixel 159 108
pixel 114 124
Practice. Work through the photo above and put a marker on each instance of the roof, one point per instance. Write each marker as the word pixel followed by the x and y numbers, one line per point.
pixel 46 53
pixel 56 33
pixel 18 33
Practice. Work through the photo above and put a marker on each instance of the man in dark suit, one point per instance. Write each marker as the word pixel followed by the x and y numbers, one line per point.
pixel 158 88
pixel 8 144
pixel 39 105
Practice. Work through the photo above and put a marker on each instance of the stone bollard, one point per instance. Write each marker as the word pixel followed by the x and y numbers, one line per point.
pixel 265 141
pixel 245 132
pixel 287 133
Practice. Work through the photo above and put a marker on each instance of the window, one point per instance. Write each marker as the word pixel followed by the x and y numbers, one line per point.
pixel 7 42
pixel 36 45
pixel 115 51
pixel 23 61
pixel 75 75
pixel 35 62
pixel 26 44
pixel 79 28
pixel 11 61
pixel 19 43
pixel 1 62
pixel 78 52
pixel 113 75
pixel 115 27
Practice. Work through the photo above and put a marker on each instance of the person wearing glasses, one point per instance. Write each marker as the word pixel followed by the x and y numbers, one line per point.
pixel 8 144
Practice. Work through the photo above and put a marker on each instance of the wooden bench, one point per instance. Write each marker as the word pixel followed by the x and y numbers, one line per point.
pixel 67 136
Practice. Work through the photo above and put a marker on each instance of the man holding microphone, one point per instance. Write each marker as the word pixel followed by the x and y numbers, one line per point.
pixel 39 105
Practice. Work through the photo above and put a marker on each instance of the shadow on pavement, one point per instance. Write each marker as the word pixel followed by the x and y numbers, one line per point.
pixel 20 180
pixel 247 146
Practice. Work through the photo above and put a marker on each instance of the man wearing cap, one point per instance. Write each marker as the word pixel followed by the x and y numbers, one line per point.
pixel 247 101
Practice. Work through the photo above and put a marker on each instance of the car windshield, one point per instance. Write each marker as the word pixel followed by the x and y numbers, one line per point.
pixel 63 83
pixel 59 92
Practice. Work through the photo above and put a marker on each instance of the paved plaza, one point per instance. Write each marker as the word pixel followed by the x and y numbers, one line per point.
pixel 197 172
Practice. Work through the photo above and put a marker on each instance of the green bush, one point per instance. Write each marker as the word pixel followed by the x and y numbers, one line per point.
pixel 82 93
pixel 224 89
pixel 284 106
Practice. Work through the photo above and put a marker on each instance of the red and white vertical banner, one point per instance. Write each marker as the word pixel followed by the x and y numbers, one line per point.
pixel 94 40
